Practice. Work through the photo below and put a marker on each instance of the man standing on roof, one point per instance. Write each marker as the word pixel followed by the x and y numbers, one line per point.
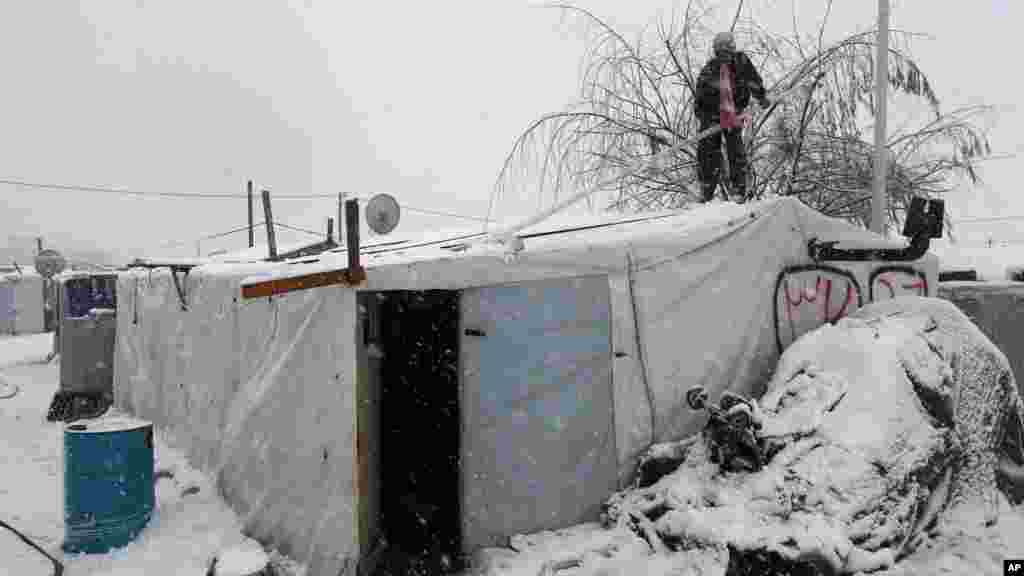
pixel 723 91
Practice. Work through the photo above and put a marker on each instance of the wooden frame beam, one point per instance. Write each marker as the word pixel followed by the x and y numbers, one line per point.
pixel 305 282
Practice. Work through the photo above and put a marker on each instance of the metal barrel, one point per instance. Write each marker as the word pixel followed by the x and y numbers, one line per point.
pixel 108 483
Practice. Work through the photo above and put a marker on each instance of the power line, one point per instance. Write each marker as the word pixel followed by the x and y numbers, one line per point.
pixel 297 229
pixel 126 192
pixel 216 196
pixel 449 214
pixel 210 237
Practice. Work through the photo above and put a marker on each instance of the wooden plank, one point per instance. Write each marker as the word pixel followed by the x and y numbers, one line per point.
pixel 304 282
pixel 269 218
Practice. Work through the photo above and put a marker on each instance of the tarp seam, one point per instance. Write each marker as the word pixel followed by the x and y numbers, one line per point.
pixel 639 344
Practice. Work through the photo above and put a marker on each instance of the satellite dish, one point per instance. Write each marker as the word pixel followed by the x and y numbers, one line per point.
pixel 382 213
pixel 49 263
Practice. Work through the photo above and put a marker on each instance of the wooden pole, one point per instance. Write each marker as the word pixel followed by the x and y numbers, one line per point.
pixel 269 223
pixel 352 237
pixel 330 229
pixel 252 233
pixel 341 214
pixel 881 168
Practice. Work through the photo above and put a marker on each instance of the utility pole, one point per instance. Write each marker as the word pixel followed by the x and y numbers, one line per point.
pixel 252 236
pixel 881 168
pixel 269 222
pixel 341 215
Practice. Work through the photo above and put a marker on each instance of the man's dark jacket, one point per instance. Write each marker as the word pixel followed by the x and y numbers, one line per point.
pixel 748 83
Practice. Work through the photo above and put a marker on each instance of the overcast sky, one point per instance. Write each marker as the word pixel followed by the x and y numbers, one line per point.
pixel 418 99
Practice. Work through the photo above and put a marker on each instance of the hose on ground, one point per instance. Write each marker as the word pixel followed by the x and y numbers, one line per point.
pixel 58 568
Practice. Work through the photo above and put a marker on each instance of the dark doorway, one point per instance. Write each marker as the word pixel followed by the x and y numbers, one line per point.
pixel 420 427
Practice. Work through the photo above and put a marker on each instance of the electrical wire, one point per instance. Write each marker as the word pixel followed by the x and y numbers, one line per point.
pixel 126 192
pixel 298 229
pixel 210 237
pixel 218 196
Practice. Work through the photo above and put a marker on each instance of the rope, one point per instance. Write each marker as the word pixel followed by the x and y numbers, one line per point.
pixel 630 281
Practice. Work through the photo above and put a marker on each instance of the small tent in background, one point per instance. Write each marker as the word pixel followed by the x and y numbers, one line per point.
pixel 21 300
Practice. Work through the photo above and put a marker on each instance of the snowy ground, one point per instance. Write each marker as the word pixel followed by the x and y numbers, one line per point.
pixel 186 532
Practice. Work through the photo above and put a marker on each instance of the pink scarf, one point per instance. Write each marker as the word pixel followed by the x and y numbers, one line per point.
pixel 726 104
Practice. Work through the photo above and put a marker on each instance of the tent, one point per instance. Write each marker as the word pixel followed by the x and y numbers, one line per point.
pixel 473 392
pixel 21 301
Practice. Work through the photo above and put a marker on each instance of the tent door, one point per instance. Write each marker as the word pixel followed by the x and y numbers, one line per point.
pixel 538 442
pixel 408 428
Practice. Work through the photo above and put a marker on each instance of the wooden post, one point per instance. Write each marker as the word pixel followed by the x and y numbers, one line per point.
pixel 252 234
pixel 330 229
pixel 269 223
pixel 39 245
pixel 352 237
pixel 341 214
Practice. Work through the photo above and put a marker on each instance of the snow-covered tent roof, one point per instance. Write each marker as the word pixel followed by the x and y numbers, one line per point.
pixel 593 241
pixel 20 270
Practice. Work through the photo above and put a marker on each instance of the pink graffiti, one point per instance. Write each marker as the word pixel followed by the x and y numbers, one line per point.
pixel 809 298
pixel 900 282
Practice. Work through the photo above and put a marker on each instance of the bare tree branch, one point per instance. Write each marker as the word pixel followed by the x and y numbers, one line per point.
pixel 636 100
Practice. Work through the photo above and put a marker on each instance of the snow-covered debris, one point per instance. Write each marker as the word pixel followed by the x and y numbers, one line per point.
pixel 245 559
pixel 882 435
pixel 17 350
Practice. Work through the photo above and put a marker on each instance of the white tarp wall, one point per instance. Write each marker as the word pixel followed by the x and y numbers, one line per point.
pixel 261 392
pixel 21 304
pixel 258 392
pixel 717 314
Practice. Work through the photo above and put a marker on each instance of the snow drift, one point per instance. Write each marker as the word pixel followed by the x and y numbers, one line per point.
pixel 885 430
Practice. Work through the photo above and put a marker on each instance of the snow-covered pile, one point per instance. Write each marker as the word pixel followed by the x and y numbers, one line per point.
pixel 885 431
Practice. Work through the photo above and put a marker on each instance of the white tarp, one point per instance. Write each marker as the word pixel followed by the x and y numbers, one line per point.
pixel 258 392
pixel 21 304
pixel 262 391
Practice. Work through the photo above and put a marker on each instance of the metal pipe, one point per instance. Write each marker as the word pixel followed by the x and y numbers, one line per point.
pixel 881 169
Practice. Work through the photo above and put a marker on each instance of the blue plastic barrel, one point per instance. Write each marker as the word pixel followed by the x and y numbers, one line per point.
pixel 108 483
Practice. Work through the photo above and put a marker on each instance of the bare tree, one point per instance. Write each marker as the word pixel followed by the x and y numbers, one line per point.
pixel 636 100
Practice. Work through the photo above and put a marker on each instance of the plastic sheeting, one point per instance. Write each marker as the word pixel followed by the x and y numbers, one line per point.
pixel 262 391
pixel 21 304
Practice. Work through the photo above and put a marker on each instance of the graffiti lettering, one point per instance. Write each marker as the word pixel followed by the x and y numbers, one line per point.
pixel 808 296
pixel 892 281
